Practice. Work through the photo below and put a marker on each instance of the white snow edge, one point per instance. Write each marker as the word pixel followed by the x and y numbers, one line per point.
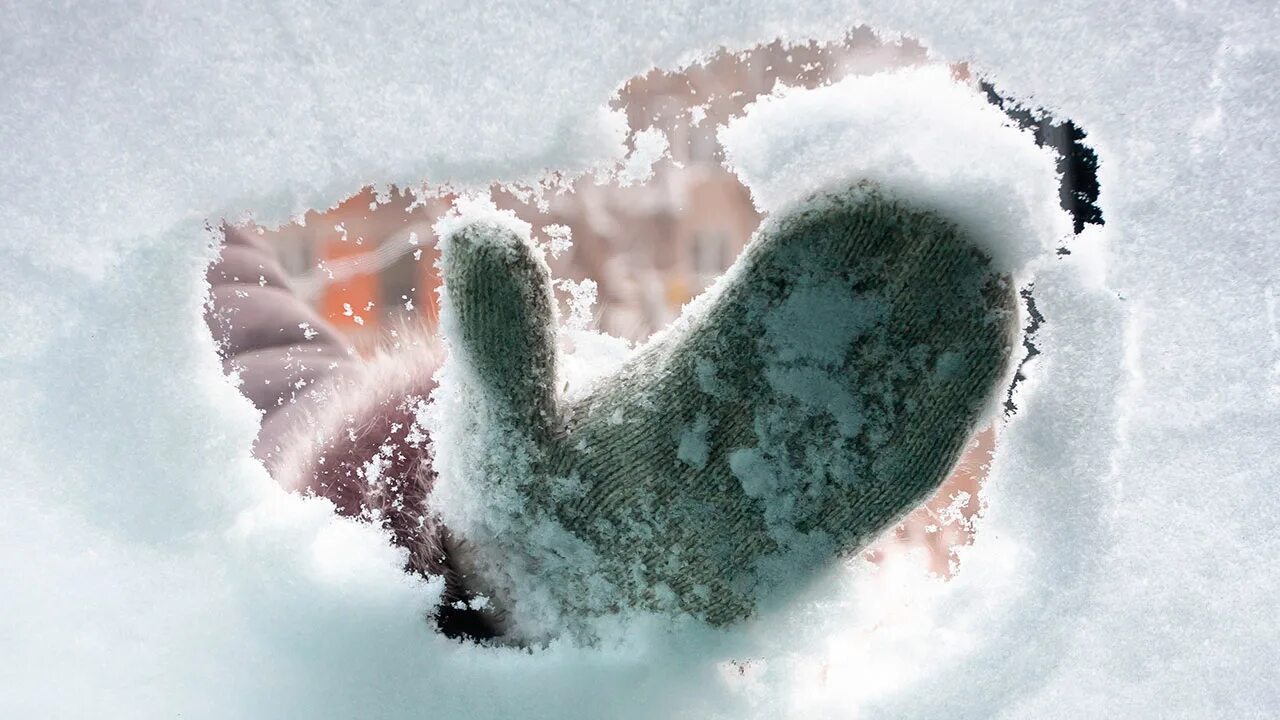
pixel 922 137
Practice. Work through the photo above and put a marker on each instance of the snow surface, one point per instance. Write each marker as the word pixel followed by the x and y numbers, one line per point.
pixel 919 135
pixel 149 568
pixel 650 147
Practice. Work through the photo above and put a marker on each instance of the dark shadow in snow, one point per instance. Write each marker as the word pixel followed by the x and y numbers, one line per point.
pixel 1078 193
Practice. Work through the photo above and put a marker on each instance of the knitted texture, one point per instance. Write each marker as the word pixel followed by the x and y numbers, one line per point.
pixel 819 391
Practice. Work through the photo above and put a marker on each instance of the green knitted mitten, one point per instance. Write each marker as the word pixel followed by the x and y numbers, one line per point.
pixel 819 391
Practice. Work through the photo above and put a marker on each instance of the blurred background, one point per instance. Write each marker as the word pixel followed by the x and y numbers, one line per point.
pixel 369 263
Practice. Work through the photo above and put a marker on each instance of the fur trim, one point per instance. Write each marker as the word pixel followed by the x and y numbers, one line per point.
pixel 357 443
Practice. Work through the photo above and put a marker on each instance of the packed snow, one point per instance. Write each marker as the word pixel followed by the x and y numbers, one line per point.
pixel 919 135
pixel 150 568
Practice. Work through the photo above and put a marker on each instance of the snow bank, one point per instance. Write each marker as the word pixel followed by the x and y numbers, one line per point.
pixel 149 569
pixel 920 136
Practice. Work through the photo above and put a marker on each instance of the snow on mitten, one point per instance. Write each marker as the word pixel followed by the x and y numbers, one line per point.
pixel 821 389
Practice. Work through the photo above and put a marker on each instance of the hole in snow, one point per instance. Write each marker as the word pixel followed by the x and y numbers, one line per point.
pixel 629 252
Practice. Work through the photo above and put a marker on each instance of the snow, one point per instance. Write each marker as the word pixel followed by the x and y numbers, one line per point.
pixel 559 239
pixel 650 147
pixel 149 568
pixel 920 136
pixel 478 209
pixel 582 297
pixel 692 447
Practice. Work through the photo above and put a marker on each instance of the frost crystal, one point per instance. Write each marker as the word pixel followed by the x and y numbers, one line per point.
pixel 650 147
pixel 560 237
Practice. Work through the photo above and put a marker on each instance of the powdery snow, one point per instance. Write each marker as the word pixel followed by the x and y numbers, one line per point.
pixel 149 568
pixel 920 136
